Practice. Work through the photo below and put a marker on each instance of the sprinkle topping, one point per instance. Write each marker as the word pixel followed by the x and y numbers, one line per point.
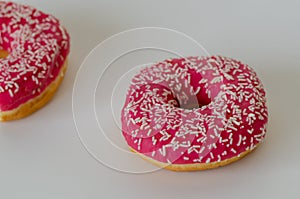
pixel 195 110
pixel 38 47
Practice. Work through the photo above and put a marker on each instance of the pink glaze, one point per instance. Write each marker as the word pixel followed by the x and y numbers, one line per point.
pixel 231 116
pixel 38 47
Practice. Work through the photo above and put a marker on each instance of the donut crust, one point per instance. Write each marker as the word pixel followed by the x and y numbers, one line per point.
pixel 3 54
pixel 36 103
pixel 192 167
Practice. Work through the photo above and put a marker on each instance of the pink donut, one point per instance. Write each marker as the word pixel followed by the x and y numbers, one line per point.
pixel 33 53
pixel 195 113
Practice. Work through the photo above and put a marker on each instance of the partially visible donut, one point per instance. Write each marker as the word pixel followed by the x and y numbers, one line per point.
pixel 33 58
pixel 195 113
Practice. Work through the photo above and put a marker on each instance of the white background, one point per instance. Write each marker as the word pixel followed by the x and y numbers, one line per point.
pixel 42 157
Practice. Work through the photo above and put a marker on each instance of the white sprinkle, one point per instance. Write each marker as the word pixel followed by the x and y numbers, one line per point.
pixel 240 140
pixel 153 153
pixel 149 132
pixel 154 141
pixel 11 93
pixel 202 149
pixel 233 150
pixel 250 131
pixel 186 158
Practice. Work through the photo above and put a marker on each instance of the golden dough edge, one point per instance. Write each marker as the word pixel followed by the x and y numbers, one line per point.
pixel 192 167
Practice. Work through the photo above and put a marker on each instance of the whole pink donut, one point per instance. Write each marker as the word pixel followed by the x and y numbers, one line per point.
pixel 195 113
pixel 34 47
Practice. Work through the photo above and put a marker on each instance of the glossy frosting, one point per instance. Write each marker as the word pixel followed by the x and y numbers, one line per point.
pixel 38 47
pixel 161 121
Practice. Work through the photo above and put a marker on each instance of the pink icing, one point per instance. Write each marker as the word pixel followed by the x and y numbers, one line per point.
pixel 231 116
pixel 38 47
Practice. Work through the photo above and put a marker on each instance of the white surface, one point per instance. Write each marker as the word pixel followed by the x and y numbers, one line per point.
pixel 42 157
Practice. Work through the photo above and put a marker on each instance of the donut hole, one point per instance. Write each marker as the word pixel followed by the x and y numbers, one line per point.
pixel 197 101
pixel 3 54
pixel 200 98
pixel 192 106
